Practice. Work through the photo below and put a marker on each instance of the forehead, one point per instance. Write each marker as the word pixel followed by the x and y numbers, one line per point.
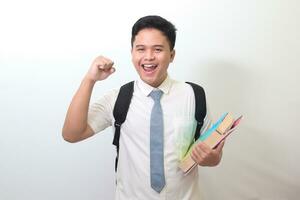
pixel 150 36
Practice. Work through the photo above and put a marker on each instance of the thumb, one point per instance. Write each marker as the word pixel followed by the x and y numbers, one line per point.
pixel 112 70
pixel 220 146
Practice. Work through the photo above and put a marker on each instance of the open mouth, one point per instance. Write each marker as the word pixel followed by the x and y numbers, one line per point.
pixel 149 67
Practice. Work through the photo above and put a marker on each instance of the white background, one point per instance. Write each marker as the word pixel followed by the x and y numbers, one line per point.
pixel 245 54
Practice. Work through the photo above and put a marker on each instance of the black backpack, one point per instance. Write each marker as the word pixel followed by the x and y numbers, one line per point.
pixel 123 102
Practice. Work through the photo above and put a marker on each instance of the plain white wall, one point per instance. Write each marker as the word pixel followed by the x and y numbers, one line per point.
pixel 245 53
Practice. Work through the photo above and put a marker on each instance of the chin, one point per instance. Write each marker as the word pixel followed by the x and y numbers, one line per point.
pixel 149 82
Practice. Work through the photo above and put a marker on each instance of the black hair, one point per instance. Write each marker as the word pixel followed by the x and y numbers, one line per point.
pixel 156 22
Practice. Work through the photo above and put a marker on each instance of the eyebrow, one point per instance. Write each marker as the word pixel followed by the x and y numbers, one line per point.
pixel 157 45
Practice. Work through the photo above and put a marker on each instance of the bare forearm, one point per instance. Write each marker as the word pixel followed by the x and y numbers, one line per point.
pixel 76 127
pixel 76 118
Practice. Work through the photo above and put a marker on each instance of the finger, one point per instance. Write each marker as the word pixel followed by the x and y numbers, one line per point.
pixel 112 70
pixel 220 146
pixel 102 62
pixel 199 152
pixel 106 60
pixel 204 147
pixel 106 66
pixel 196 156
pixel 101 66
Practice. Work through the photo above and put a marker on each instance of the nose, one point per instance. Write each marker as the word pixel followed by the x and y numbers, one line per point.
pixel 149 55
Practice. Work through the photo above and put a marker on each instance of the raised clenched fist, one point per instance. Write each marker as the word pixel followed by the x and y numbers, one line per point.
pixel 100 69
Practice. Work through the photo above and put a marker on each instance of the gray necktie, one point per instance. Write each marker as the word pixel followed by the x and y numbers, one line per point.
pixel 157 144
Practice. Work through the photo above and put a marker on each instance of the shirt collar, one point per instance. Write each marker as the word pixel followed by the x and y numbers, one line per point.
pixel 146 89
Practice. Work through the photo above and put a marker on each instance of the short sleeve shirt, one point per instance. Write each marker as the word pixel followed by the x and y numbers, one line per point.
pixel 133 174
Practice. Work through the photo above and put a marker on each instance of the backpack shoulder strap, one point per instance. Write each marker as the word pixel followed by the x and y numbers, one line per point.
pixel 120 112
pixel 121 108
pixel 200 108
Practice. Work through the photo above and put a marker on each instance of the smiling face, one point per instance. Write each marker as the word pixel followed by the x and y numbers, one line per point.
pixel 151 56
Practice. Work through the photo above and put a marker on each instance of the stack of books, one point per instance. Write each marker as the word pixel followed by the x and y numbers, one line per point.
pixel 212 137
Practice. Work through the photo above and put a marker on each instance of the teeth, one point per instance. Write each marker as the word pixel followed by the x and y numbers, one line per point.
pixel 148 65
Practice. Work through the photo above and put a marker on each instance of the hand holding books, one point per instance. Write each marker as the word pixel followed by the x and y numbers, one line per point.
pixel 212 137
pixel 203 155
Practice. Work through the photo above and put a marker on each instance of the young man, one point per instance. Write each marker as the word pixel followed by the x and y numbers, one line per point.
pixel 153 40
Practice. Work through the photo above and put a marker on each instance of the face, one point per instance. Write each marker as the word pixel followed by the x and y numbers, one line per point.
pixel 151 56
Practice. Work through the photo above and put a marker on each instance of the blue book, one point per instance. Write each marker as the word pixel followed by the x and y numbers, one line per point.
pixel 212 128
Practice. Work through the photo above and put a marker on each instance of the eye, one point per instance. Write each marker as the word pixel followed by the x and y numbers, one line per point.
pixel 140 49
pixel 158 50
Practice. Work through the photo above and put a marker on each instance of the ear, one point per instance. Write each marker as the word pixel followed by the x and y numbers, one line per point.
pixel 172 55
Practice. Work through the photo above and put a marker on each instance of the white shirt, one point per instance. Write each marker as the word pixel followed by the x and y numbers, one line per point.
pixel 133 174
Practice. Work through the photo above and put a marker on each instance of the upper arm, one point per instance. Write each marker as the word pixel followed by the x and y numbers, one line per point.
pixel 100 114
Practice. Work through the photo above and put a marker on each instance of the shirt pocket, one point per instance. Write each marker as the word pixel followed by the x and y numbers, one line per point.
pixel 185 127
